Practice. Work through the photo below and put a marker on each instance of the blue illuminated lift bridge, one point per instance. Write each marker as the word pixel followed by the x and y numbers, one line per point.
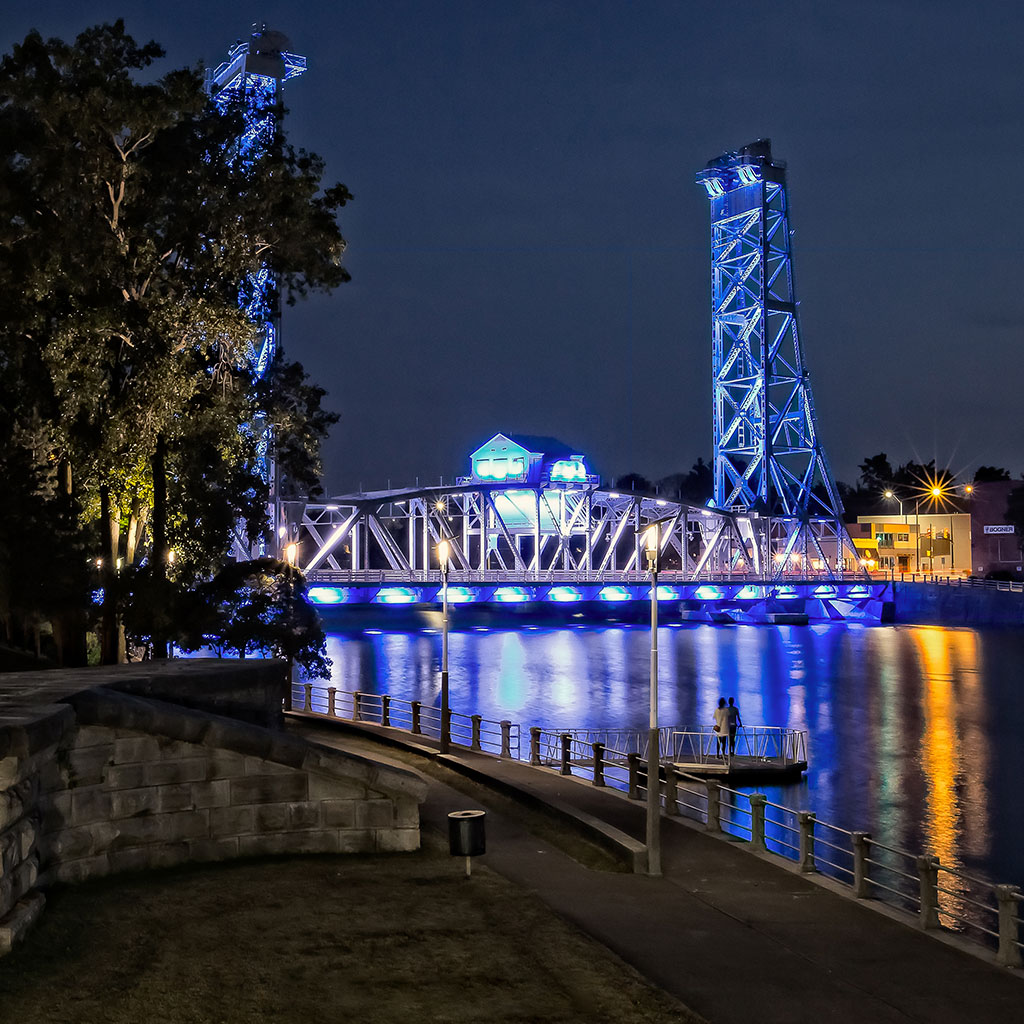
pixel 769 463
pixel 250 82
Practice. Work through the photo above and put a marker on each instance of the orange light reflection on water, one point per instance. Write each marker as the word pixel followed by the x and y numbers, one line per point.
pixel 944 656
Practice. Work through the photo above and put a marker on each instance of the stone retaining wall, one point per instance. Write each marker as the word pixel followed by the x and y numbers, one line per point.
pixel 107 782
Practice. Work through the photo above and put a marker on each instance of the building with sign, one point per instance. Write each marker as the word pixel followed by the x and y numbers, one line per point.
pixel 975 540
pixel 995 546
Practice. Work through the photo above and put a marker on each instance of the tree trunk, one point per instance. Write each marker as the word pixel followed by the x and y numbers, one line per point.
pixel 159 553
pixel 108 630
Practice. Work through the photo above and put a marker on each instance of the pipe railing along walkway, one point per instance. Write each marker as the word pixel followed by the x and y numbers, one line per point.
pixel 938 896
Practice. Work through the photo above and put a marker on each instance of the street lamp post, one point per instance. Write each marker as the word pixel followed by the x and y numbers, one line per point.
pixel 290 551
pixel 442 556
pixel 652 543
pixel 893 496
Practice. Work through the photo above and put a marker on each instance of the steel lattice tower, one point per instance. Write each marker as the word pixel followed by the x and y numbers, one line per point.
pixel 768 459
pixel 249 82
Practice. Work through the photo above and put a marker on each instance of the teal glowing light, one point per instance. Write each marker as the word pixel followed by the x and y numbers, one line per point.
pixel 614 594
pixel 786 592
pixel 708 593
pixel 564 594
pixel 668 594
pixel 750 593
pixel 511 595
pixel 858 591
pixel 461 595
pixel 569 470
pixel 395 595
pixel 825 591
pixel 499 469
pixel 325 595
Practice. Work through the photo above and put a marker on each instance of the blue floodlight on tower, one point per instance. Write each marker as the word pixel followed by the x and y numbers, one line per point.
pixel 768 461
pixel 249 82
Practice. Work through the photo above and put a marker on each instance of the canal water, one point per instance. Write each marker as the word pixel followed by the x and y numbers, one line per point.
pixel 915 733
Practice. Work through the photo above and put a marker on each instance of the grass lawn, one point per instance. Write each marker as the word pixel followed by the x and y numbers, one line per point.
pixel 308 939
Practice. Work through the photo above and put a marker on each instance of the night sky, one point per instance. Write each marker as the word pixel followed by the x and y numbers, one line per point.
pixel 529 251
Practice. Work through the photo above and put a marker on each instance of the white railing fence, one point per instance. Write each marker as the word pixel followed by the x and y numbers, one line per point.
pixel 413 716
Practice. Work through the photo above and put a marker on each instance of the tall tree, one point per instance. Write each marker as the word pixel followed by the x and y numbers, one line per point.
pixel 127 225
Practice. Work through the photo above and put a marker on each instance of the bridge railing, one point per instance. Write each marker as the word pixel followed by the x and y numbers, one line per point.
pixel 767 744
pixel 665 576
pixel 413 716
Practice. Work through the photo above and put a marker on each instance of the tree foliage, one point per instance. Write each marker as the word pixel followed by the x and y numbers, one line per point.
pixel 128 224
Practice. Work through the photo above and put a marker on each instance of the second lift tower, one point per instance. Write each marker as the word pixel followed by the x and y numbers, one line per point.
pixel 768 460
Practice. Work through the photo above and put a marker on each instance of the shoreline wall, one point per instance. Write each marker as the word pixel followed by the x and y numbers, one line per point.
pixel 101 781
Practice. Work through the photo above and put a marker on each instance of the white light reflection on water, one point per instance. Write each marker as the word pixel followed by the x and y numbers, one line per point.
pixel 914 732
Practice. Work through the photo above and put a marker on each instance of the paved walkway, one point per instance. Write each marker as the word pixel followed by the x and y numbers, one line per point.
pixel 734 936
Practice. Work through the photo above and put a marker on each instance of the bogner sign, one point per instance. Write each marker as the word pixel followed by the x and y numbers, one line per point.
pixel 999 529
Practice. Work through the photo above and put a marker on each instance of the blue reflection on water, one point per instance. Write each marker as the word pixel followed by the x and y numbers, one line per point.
pixel 914 733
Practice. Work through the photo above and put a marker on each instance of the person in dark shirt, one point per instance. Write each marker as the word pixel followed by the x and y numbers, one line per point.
pixel 734 722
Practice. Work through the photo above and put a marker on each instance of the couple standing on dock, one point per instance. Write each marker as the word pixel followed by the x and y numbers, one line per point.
pixel 727 720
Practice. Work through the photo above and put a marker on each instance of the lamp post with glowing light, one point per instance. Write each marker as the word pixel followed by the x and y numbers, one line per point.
pixel 443 551
pixel 290 553
pixel 651 544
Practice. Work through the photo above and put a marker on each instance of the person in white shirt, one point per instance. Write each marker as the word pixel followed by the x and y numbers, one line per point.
pixel 721 726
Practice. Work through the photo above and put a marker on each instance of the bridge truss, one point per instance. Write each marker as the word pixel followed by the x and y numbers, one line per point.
pixel 768 459
pixel 531 532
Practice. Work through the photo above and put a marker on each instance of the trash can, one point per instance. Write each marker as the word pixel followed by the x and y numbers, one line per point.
pixel 466 835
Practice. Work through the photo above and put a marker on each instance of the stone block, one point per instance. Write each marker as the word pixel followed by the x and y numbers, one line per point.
pixel 12 807
pixel 231 821
pixel 124 776
pixel 26 831
pixel 338 813
pixel 277 843
pixel 56 810
pixel 10 771
pixel 129 803
pixel 224 764
pixel 272 817
pixel 86 767
pixel 258 766
pixel 75 843
pixel 74 871
pixel 175 798
pixel 179 749
pixel 407 813
pixel 357 841
pixel 239 737
pixel 211 794
pixel 134 858
pixel 136 748
pixel 93 736
pixel 143 831
pixel 89 805
pixel 165 773
pixel 397 840
pixel 186 825
pixel 17 923
pixel 304 814
pixel 374 814
pixel 326 787
pixel 268 789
